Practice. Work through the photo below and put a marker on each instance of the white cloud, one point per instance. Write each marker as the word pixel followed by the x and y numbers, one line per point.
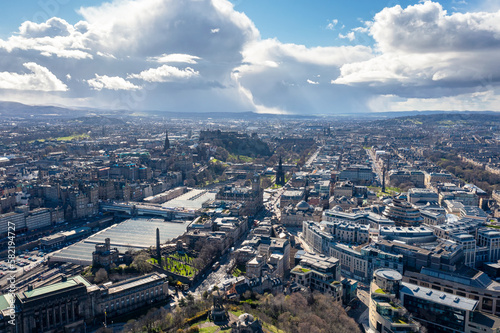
pixel 105 55
pixel 422 56
pixel 272 52
pixel 54 37
pixel 165 73
pixel 111 82
pixel 273 74
pixel 176 57
pixel 349 35
pixel 150 27
pixel 40 79
pixel 426 53
pixel 427 27
pixel 52 28
pixel 331 25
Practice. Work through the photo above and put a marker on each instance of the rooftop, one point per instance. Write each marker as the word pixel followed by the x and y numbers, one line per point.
pixel 70 282
pixel 454 301
pixel 389 274
pixel 134 283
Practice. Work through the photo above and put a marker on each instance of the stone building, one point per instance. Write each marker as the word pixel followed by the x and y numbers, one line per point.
pixel 104 255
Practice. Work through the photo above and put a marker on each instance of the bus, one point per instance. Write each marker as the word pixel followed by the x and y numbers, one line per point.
pixel 216 266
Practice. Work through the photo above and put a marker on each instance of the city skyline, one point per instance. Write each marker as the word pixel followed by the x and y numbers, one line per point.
pixel 268 57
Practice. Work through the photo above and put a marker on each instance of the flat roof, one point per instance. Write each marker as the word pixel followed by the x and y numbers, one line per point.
pixel 136 233
pixel 70 282
pixel 132 284
pixel 389 274
pixel 439 297
pixel 193 199
pixel 5 301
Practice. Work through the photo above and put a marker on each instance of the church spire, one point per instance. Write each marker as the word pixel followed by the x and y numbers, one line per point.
pixel 167 142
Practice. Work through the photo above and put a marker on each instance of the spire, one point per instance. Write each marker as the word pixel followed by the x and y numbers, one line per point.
pixel 280 174
pixel 158 248
pixel 167 142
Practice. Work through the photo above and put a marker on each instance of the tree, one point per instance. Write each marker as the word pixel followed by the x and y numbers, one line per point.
pixel 182 302
pixel 101 276
pixel 190 298
pixel 141 263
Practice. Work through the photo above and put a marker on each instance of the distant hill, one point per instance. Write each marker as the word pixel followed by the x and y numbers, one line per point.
pixel 448 119
pixel 19 110
pixel 97 120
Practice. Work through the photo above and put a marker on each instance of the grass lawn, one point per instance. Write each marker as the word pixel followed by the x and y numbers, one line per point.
pixel 389 190
pixel 237 313
pixel 64 138
pixel 73 137
pixel 178 267
pixel 272 328
pixel 240 158
pixel 182 257
pixel 239 270
pixel 236 272
pixel 210 329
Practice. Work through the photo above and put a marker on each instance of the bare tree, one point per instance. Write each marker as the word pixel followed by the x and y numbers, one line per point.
pixel 101 276
pixel 141 263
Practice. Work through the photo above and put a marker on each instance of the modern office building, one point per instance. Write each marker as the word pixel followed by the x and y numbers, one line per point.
pixel 422 195
pixel 469 247
pixel 490 238
pixel 436 310
pixel 432 217
pixel 369 218
pixel 386 313
pixel 403 213
pixel 408 235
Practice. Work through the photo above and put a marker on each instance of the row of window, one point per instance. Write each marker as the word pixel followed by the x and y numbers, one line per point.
pixel 110 305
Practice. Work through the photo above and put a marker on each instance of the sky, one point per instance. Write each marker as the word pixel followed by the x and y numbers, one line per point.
pixel 268 56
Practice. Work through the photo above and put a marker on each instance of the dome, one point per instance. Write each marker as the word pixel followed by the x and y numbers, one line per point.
pixel 303 205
